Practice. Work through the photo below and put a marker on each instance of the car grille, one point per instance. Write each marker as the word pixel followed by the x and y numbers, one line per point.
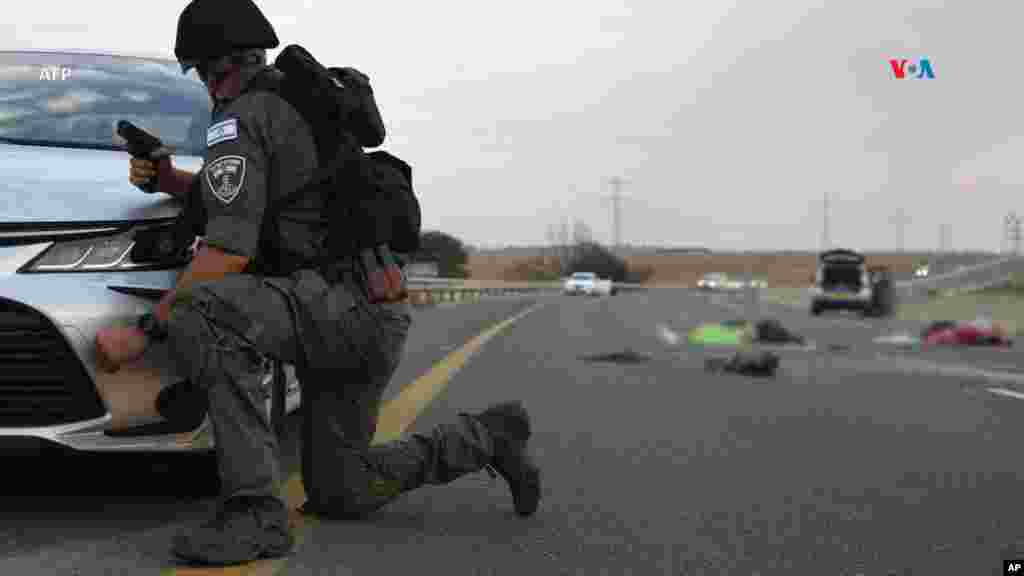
pixel 42 382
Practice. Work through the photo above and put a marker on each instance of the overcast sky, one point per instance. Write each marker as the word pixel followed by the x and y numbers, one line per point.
pixel 729 120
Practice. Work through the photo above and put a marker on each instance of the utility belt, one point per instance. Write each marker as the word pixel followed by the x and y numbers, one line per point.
pixel 379 275
pixel 345 271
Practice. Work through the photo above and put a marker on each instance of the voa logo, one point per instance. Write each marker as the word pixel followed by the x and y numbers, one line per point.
pixel 918 69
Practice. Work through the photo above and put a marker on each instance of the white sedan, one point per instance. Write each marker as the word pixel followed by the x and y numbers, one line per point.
pixel 719 281
pixel 587 283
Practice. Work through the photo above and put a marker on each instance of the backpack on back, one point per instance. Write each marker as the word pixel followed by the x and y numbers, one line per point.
pixel 370 201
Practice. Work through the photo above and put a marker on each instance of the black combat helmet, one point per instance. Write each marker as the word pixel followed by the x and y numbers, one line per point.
pixel 209 29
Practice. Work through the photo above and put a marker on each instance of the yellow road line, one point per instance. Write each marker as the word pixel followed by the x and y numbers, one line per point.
pixel 395 417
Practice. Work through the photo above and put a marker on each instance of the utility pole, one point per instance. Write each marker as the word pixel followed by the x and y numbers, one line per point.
pixel 616 183
pixel 552 242
pixel 826 242
pixel 1012 232
pixel 616 198
pixel 1007 234
pixel 899 220
pixel 945 238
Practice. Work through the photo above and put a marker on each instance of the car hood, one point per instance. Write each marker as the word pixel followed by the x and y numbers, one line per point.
pixel 49 184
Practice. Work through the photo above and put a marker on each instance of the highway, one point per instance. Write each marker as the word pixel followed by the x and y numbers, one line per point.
pixel 858 458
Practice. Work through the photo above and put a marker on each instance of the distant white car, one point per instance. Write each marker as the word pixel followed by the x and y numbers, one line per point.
pixel 921 271
pixel 713 281
pixel 587 283
pixel 718 281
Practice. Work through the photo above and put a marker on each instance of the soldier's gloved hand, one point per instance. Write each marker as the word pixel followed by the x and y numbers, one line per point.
pixel 119 345
pixel 142 171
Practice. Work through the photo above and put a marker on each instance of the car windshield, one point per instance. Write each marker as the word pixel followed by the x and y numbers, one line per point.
pixel 76 100
pixel 583 276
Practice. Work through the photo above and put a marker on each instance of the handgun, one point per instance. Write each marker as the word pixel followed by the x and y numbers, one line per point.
pixel 142 144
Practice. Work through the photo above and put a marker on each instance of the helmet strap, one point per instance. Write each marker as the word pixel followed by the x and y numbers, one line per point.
pixel 228 77
pixel 226 85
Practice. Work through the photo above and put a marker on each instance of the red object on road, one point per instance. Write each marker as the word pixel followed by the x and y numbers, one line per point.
pixel 966 335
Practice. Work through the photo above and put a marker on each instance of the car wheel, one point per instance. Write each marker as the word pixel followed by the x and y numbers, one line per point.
pixel 815 311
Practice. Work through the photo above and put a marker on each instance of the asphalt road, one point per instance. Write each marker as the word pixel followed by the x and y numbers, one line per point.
pixel 858 458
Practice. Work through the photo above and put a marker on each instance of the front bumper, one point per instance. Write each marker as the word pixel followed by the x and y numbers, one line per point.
pixel 50 388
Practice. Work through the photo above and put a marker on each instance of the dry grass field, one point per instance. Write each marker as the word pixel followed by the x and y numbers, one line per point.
pixel 780 270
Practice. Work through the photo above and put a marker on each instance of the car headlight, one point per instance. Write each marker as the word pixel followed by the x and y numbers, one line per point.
pixel 102 253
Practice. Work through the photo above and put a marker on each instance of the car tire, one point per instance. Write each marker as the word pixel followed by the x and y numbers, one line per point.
pixel 815 311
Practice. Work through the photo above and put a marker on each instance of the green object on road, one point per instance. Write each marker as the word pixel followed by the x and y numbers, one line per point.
pixel 720 334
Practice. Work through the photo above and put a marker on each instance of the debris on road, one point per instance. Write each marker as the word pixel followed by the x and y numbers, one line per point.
pixel 758 364
pixel 771 331
pixel 628 356
pixel 667 335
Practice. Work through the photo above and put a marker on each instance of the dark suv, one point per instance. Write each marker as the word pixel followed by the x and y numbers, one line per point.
pixel 842 282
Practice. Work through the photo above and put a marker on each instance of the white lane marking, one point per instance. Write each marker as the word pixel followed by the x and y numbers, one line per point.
pixel 952 370
pixel 1005 392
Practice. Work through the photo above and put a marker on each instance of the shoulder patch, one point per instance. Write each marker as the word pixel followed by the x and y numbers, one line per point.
pixel 226 175
pixel 222 132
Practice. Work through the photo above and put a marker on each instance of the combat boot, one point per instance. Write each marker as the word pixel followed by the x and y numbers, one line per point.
pixel 509 427
pixel 245 529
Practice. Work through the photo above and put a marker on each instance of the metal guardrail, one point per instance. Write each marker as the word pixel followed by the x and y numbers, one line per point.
pixel 428 290
pixel 429 284
pixel 975 277
pixel 968 278
pixel 423 290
